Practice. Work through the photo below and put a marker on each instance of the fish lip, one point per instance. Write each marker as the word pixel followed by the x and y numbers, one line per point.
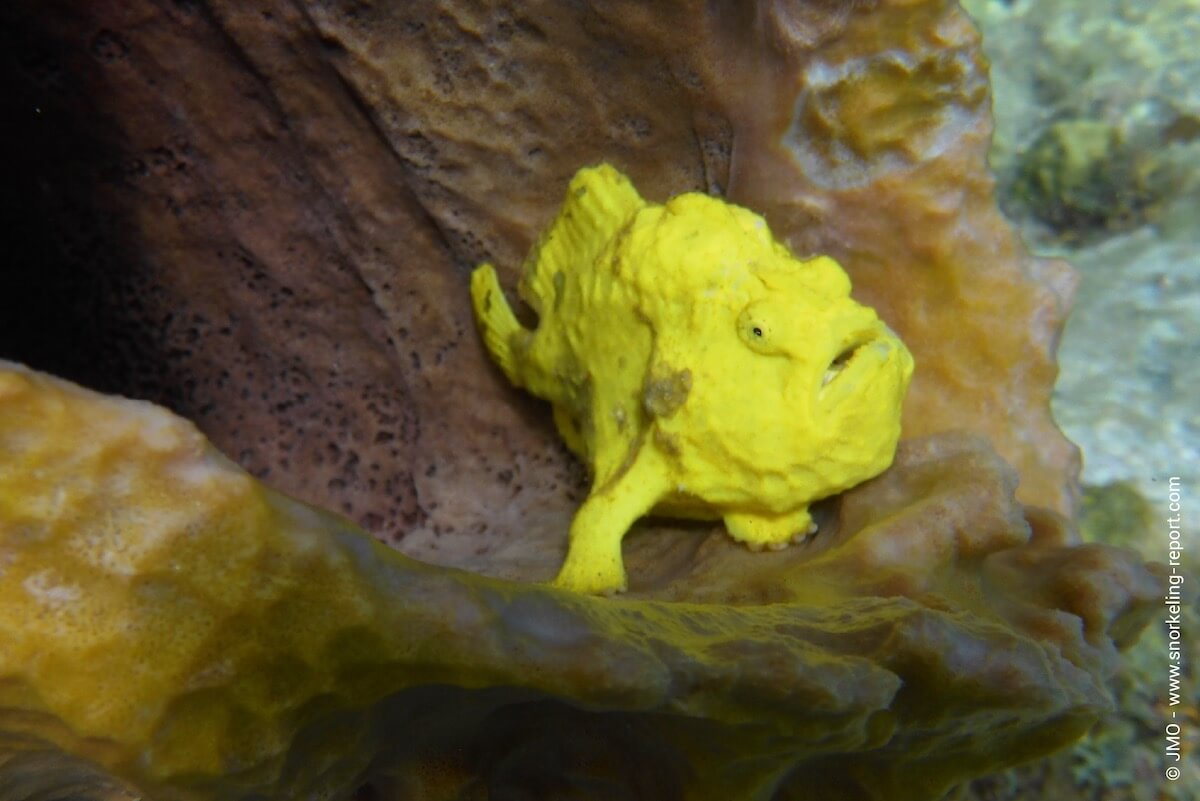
pixel 846 357
pixel 866 352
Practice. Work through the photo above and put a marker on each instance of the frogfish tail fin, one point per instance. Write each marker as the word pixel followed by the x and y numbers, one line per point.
pixel 600 202
pixel 497 323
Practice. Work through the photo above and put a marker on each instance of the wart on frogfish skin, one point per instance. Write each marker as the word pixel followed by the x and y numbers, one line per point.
pixel 728 378
pixel 663 396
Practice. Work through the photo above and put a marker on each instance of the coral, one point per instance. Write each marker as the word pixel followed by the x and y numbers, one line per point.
pixel 1129 66
pixel 264 216
pixel 207 638
pixel 696 366
pixel 1080 175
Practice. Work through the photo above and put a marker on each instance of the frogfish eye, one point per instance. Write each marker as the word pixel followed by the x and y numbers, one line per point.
pixel 756 330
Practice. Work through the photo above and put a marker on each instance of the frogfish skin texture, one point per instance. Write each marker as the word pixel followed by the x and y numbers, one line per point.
pixel 697 366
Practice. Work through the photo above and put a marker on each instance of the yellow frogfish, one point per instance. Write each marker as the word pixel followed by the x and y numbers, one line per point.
pixel 696 366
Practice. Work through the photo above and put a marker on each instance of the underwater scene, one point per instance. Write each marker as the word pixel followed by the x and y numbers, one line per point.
pixel 600 400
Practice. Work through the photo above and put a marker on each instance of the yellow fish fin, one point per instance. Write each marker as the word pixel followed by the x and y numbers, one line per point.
pixel 497 323
pixel 600 201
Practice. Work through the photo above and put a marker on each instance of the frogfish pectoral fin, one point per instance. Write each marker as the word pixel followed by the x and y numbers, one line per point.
pixel 594 563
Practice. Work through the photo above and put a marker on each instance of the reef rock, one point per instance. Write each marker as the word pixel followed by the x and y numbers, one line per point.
pixel 169 618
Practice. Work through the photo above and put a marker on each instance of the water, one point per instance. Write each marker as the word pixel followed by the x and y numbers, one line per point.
pixel 1130 355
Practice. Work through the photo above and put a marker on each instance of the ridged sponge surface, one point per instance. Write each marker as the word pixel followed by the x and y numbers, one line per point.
pixel 172 620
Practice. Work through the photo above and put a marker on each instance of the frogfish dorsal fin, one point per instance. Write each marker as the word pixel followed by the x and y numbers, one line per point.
pixel 600 201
